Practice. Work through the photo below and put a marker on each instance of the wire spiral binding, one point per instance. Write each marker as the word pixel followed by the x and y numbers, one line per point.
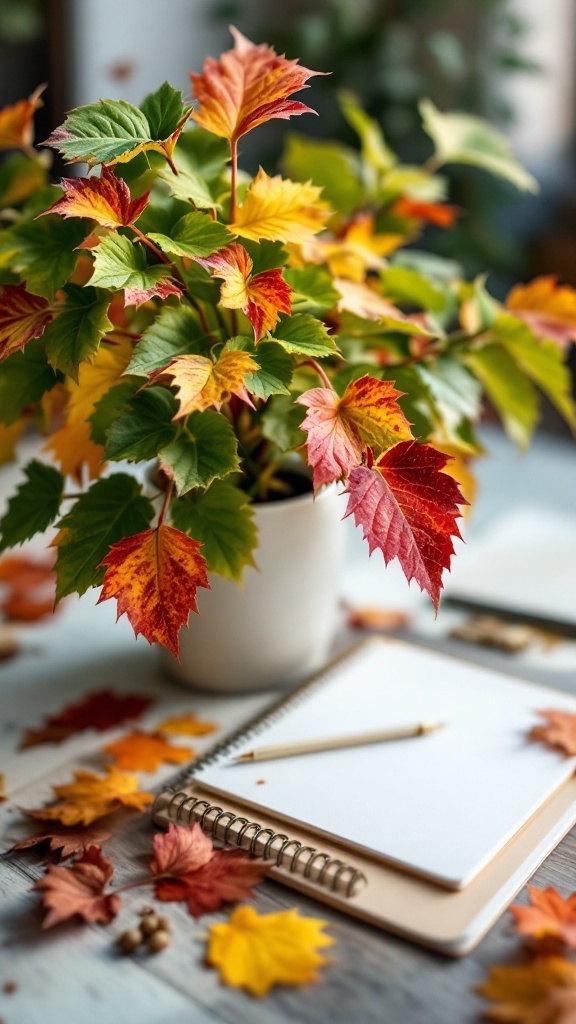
pixel 319 867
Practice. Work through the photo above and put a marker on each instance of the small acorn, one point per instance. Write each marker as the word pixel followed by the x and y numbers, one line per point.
pixel 149 924
pixel 164 924
pixel 131 939
pixel 158 940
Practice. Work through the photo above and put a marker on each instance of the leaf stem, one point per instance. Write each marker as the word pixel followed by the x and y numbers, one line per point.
pixel 320 371
pixel 153 248
pixel 167 498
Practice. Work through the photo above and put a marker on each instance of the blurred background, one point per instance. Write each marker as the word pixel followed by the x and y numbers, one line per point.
pixel 511 61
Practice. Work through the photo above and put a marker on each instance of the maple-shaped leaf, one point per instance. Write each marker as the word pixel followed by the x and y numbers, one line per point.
pixel 559 731
pixel 257 951
pixel 204 451
pixel 46 252
pixel 548 308
pixel 195 234
pixel 278 209
pixel 339 429
pixel 154 577
pixel 175 331
pixel 180 851
pixel 22 317
pixel 442 215
pixel 92 796
pixel 201 383
pixel 121 264
pixel 75 335
pixel 302 334
pixel 550 916
pixel 144 752
pixel 106 200
pixel 247 86
pixel 186 724
pixel 114 131
pixel 358 249
pixel 65 841
pixel 79 889
pixel 222 519
pixel 34 506
pixel 407 507
pixel 17 121
pixel 24 379
pixel 100 710
pixel 261 298
pixel 542 991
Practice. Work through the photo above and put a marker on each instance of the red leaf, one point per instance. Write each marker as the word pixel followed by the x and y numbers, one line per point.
pixel 180 851
pixel 22 317
pixel 227 878
pixel 261 298
pixel 106 200
pixel 442 215
pixel 154 577
pixel 101 710
pixel 63 840
pixel 408 508
pixel 79 889
pixel 162 289
pixel 246 87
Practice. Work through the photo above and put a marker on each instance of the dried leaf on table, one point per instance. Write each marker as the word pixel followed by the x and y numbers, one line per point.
pixel 180 851
pixel 372 617
pixel 9 643
pixel 540 992
pixel 559 731
pixel 65 841
pixel 257 951
pixel 24 573
pixel 93 796
pixel 101 710
pixel 21 608
pixel 550 916
pixel 186 725
pixel 144 752
pixel 79 889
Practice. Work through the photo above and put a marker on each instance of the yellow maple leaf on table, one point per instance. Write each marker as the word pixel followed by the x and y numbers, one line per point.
pixel 144 752
pixel 540 992
pixel 186 725
pixel 257 951
pixel 92 796
pixel 279 210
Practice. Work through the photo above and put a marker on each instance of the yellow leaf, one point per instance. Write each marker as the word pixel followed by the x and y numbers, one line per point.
pixel 92 796
pixel 202 383
pixel 548 308
pixel 261 297
pixel 257 951
pixel 186 725
pixel 9 435
pixel 360 249
pixel 540 992
pixel 280 210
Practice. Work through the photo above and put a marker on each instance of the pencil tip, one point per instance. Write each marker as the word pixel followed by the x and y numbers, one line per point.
pixel 244 757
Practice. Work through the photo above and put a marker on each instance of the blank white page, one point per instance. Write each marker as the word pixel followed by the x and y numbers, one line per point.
pixel 441 804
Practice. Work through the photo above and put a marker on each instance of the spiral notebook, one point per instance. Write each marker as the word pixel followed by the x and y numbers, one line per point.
pixel 429 836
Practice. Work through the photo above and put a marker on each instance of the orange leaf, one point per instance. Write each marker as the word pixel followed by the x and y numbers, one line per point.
pixel 339 429
pixel 442 215
pixel 17 121
pixel 548 308
pixel 9 436
pixel 559 731
pixel 93 796
pixel 540 992
pixel 261 298
pixel 249 85
pixel 373 618
pixel 144 752
pixel 154 577
pixel 79 889
pixel 359 249
pixel 186 725
pixel 106 200
pixel 277 209
pixel 550 916
pixel 22 317
pixel 20 608
pixel 257 951
pixel 202 383
pixel 24 573
pixel 65 841
pixel 101 710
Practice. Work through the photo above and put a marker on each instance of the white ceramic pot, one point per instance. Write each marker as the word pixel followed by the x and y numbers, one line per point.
pixel 278 627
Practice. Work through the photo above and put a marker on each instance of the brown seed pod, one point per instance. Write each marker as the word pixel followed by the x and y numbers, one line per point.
pixel 164 924
pixel 149 924
pixel 130 940
pixel 158 940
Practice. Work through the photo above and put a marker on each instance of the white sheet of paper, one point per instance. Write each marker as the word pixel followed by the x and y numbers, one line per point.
pixel 441 805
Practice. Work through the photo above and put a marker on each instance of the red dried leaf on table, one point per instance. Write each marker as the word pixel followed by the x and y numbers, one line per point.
pixel 261 298
pixel 247 86
pixel 154 577
pixel 22 317
pixel 407 508
pixel 559 731
pixel 101 710
pixel 105 199
pixel 180 851
pixel 79 889
pixel 549 917
pixel 542 991
pixel 65 841
pixel 144 752
pixel 92 796
pixel 186 725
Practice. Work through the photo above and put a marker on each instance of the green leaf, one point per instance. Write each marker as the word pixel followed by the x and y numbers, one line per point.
pixel 176 331
pixel 416 403
pixel 543 361
pixel 110 408
pixel 305 335
pixel 164 110
pixel 221 518
pixel 47 252
pixel 313 284
pixel 19 177
pixel 409 287
pixel 511 393
pixel 120 264
pixel 331 165
pixel 455 391
pixel 281 421
pixel 146 428
pixel 203 153
pixel 34 506
pixel 24 378
pixel 265 255
pixel 205 450
pixel 112 509
pixel 275 373
pixel 188 186
pixel 196 234
pixel 374 148
pixel 465 139
pixel 428 264
pixel 76 332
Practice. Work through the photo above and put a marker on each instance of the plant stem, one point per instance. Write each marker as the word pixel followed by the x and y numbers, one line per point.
pixel 319 370
pixel 164 258
pixel 167 498
pixel 153 248
pixel 234 169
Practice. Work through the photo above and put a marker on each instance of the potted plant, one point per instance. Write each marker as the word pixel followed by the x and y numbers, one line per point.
pixel 235 330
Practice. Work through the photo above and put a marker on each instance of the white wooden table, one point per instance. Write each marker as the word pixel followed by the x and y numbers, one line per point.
pixel 74 971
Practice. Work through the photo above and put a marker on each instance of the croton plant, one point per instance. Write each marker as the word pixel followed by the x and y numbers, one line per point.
pixel 169 307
